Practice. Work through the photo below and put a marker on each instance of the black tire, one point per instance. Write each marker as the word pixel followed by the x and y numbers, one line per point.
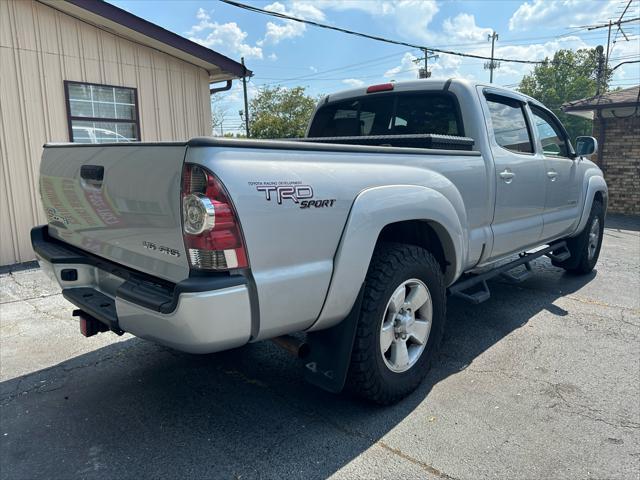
pixel 580 262
pixel 392 264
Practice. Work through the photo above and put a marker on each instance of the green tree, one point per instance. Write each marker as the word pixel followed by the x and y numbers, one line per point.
pixel 280 112
pixel 568 76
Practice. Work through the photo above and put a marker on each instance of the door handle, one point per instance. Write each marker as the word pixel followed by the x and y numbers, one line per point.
pixel 552 174
pixel 507 175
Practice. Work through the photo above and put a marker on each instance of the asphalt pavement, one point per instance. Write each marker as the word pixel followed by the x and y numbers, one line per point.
pixel 540 382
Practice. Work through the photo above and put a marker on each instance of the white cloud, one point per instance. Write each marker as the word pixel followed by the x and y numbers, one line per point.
pixel 463 27
pixel 407 70
pixel 509 72
pixel 273 57
pixel 446 66
pixel 367 6
pixel 409 18
pixel 565 13
pixel 412 18
pixel 528 13
pixel 204 22
pixel 353 82
pixel 225 37
pixel 287 29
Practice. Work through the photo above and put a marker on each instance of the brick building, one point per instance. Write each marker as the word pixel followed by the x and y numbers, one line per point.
pixel 616 125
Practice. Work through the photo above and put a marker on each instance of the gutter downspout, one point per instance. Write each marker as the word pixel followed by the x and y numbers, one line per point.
pixel 220 89
pixel 601 139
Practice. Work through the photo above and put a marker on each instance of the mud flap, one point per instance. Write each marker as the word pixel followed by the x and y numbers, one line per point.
pixel 329 357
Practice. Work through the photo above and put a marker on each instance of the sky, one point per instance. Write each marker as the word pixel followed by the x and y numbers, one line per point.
pixel 287 53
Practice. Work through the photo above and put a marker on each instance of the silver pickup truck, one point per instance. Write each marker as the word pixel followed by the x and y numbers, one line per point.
pixel 342 246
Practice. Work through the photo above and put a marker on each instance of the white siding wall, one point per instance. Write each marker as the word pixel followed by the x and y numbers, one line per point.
pixel 41 47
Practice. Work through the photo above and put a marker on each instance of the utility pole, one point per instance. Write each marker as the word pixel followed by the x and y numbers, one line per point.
pixel 492 65
pixel 601 69
pixel 246 101
pixel 606 60
pixel 425 73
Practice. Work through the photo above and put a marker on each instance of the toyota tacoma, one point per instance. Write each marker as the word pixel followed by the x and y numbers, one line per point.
pixel 342 246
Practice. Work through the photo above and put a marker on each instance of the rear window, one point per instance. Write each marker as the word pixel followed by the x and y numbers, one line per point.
pixel 398 114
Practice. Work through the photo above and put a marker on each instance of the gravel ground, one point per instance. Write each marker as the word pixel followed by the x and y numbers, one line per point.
pixel 541 381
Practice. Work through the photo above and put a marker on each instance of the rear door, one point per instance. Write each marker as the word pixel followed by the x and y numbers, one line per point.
pixel 120 202
pixel 562 179
pixel 520 175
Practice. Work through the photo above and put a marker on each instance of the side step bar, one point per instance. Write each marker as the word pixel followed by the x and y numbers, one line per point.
pixel 474 288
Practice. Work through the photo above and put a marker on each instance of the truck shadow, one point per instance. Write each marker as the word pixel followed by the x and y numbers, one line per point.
pixel 623 222
pixel 137 410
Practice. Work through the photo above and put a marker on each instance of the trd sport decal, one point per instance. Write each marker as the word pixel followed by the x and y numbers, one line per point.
pixel 295 192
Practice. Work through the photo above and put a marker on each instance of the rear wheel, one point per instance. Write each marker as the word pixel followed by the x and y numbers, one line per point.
pixel 401 323
pixel 585 247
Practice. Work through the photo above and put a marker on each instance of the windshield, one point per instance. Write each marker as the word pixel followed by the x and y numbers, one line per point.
pixel 391 114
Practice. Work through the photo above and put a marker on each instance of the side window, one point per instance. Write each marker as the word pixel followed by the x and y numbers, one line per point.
pixel 509 124
pixel 551 137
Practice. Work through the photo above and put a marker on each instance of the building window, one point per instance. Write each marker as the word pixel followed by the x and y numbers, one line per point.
pixel 101 113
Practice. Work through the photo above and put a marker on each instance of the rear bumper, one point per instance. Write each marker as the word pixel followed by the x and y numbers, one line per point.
pixel 197 315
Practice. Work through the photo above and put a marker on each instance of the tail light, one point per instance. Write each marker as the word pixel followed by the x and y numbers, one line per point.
pixel 383 87
pixel 211 230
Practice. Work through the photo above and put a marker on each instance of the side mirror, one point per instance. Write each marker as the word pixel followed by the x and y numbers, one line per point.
pixel 586 146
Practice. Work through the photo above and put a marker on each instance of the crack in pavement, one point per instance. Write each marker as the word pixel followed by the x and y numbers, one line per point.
pixel 30 298
pixel 590 301
pixel 425 466
pixel 588 411
pixel 7 398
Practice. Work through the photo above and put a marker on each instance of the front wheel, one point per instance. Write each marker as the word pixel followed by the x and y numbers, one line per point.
pixel 401 323
pixel 585 247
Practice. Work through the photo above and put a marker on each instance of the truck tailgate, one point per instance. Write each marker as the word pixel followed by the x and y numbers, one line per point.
pixel 120 202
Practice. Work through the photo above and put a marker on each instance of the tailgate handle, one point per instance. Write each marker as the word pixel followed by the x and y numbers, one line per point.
pixel 92 175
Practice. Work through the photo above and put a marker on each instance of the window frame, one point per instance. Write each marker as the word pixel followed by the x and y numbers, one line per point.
pixel 558 124
pixel 525 114
pixel 395 95
pixel 71 118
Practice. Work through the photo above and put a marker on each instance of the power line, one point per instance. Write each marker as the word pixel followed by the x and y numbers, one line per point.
pixel 372 62
pixel 625 57
pixel 332 70
pixel 623 63
pixel 372 37
pixel 332 79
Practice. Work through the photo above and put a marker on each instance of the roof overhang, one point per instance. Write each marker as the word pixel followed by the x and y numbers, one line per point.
pixel 606 109
pixel 124 24
pixel 617 103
